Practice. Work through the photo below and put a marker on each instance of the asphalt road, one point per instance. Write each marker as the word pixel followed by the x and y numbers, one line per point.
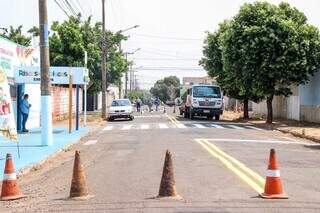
pixel 218 167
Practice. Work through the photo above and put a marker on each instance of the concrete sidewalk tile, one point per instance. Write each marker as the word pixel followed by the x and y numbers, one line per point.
pixel 31 149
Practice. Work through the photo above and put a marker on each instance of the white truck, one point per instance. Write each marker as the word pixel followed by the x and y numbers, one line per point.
pixel 204 100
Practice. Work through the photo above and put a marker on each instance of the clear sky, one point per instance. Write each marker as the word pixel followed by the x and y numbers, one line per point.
pixel 170 35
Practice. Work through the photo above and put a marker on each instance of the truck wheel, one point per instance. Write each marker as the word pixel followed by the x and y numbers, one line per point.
pixel 217 117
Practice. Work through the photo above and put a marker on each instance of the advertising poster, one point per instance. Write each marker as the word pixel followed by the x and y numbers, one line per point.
pixel 11 55
pixel 7 122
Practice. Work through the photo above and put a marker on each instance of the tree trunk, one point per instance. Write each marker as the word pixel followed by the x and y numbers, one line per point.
pixel 270 110
pixel 246 108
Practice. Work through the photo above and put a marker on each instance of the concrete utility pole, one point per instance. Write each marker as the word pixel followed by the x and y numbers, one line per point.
pixel 126 80
pixel 46 116
pixel 104 71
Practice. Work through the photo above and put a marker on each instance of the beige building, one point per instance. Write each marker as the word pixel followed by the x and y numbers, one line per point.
pixel 197 80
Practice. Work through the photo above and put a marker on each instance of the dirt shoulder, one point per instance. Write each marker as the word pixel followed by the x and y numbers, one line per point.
pixel 310 131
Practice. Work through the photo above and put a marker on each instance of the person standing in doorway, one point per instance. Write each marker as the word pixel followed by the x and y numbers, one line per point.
pixel 24 108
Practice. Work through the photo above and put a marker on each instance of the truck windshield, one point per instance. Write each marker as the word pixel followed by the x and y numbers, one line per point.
pixel 206 91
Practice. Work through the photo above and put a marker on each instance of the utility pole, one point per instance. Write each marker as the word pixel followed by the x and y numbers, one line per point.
pixel 46 116
pixel 103 71
pixel 131 80
pixel 85 89
pixel 126 80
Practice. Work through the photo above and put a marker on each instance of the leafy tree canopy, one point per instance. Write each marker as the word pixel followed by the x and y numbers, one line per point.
pixel 71 38
pixel 166 89
pixel 262 51
pixel 16 35
pixel 144 95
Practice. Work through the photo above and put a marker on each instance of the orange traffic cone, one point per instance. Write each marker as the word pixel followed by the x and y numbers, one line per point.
pixel 273 187
pixel 10 189
pixel 168 184
pixel 79 189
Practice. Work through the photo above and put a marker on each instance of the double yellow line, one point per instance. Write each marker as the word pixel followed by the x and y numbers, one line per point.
pixel 173 120
pixel 254 180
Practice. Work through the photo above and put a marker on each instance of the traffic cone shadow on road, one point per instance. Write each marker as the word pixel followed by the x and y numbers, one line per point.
pixel 79 189
pixel 10 189
pixel 273 186
pixel 168 184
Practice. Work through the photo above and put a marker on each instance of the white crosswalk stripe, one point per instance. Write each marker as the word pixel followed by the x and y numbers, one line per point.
pixel 126 127
pixel 200 126
pixel 163 126
pixel 108 128
pixel 217 126
pixel 90 142
pixel 235 127
pixel 252 127
pixel 145 126
pixel 181 126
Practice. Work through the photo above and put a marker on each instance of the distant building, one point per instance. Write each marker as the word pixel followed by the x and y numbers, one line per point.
pixel 302 105
pixel 196 80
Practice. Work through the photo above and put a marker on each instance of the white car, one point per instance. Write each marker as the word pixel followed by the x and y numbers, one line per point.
pixel 120 108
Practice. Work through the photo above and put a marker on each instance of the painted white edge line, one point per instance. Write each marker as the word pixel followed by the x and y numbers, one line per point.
pixel 256 141
pixel 108 128
pixel 90 142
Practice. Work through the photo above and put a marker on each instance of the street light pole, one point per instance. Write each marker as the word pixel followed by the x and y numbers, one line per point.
pixel 126 56
pixel 103 71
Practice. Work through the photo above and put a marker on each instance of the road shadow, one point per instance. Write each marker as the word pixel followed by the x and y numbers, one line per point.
pixel 119 120
pixel 313 146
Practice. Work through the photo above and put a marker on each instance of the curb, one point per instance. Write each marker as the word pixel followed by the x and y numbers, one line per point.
pixel 28 169
pixel 314 139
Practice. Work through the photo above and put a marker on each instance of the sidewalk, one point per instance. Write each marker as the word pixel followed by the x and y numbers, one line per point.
pixel 31 150
pixel 310 131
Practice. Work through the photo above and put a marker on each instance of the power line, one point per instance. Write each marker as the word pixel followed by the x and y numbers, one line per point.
pixel 71 9
pixel 168 38
pixel 166 59
pixel 65 12
pixel 163 54
pixel 169 68
pixel 80 7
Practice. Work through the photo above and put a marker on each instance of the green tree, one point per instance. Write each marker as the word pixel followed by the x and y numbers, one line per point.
pixel 69 40
pixel 166 89
pixel 144 95
pixel 272 47
pixel 229 78
pixel 16 35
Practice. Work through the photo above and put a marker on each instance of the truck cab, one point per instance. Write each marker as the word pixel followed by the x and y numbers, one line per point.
pixel 204 100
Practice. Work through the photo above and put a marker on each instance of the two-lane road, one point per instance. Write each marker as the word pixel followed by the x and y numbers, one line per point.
pixel 218 166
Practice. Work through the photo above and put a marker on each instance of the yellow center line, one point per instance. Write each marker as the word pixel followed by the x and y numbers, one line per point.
pixel 170 118
pixel 247 175
pixel 239 164
pixel 177 122
pixel 173 120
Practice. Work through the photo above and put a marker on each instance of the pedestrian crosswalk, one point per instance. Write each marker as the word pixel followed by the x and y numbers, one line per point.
pixel 147 126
